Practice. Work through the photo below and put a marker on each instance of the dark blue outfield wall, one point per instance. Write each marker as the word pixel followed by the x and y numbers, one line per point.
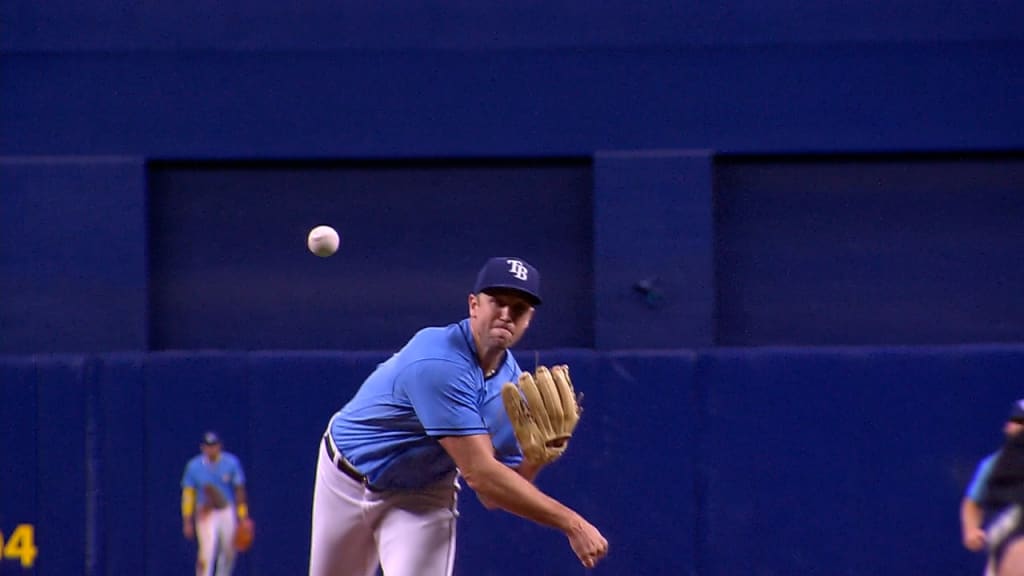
pixel 487 78
pixel 733 461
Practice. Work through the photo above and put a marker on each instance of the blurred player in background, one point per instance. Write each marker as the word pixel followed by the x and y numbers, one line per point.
pixel 386 480
pixel 213 501
pixel 990 512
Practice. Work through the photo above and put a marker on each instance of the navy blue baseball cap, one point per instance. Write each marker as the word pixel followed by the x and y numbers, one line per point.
pixel 211 438
pixel 512 274
pixel 1017 411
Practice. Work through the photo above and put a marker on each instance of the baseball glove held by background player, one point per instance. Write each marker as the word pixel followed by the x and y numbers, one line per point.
pixel 544 411
pixel 245 533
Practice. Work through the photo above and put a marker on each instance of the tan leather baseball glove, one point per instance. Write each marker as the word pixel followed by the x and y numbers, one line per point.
pixel 544 411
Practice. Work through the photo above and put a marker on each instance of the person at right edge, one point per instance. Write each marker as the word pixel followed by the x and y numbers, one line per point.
pixel 991 510
pixel 439 409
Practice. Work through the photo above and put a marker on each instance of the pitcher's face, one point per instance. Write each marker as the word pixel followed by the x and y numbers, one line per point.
pixel 499 318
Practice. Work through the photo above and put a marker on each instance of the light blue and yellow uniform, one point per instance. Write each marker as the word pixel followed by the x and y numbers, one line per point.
pixel 210 488
pixel 223 475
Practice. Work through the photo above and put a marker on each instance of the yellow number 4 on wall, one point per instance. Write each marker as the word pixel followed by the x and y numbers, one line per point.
pixel 21 545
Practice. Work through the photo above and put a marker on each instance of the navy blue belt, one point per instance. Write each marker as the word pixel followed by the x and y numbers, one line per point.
pixel 346 467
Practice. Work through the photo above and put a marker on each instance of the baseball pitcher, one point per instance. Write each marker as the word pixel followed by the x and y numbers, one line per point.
pixel 452 403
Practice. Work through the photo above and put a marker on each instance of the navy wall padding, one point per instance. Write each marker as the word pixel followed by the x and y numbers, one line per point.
pixel 230 268
pixel 484 78
pixel 72 254
pixel 43 426
pixel 708 462
pixel 653 249
pixel 20 485
pixel 815 459
pixel 62 427
pixel 646 411
pixel 522 101
pixel 124 495
pixel 65 25
pixel 869 250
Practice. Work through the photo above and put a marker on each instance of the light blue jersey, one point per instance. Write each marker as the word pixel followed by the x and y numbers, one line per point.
pixel 431 388
pixel 975 490
pixel 223 475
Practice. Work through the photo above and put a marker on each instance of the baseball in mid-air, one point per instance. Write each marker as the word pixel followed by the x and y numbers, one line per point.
pixel 323 241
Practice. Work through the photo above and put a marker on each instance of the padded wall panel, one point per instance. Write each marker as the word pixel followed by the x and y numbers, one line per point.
pixel 72 254
pixel 124 496
pixel 63 462
pixel 646 479
pixel 524 101
pixel 818 459
pixel 63 25
pixel 20 489
pixel 43 482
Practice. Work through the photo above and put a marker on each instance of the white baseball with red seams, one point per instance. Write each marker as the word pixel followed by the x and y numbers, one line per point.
pixel 323 241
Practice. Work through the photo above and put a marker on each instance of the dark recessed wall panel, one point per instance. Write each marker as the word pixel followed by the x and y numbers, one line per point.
pixel 869 250
pixel 230 268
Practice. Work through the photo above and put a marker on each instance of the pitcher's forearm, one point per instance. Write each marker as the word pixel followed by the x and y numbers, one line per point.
pixel 506 489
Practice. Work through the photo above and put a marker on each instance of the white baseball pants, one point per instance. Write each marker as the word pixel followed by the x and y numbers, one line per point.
pixel 356 530
pixel 215 531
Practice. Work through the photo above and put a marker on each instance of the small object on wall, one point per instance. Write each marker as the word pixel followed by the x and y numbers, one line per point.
pixel 648 288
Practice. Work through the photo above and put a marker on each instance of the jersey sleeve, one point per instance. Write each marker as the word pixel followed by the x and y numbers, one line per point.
pixel 237 473
pixel 975 490
pixel 188 478
pixel 444 398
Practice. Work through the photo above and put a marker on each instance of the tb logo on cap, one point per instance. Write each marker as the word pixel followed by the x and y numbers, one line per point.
pixel 517 269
